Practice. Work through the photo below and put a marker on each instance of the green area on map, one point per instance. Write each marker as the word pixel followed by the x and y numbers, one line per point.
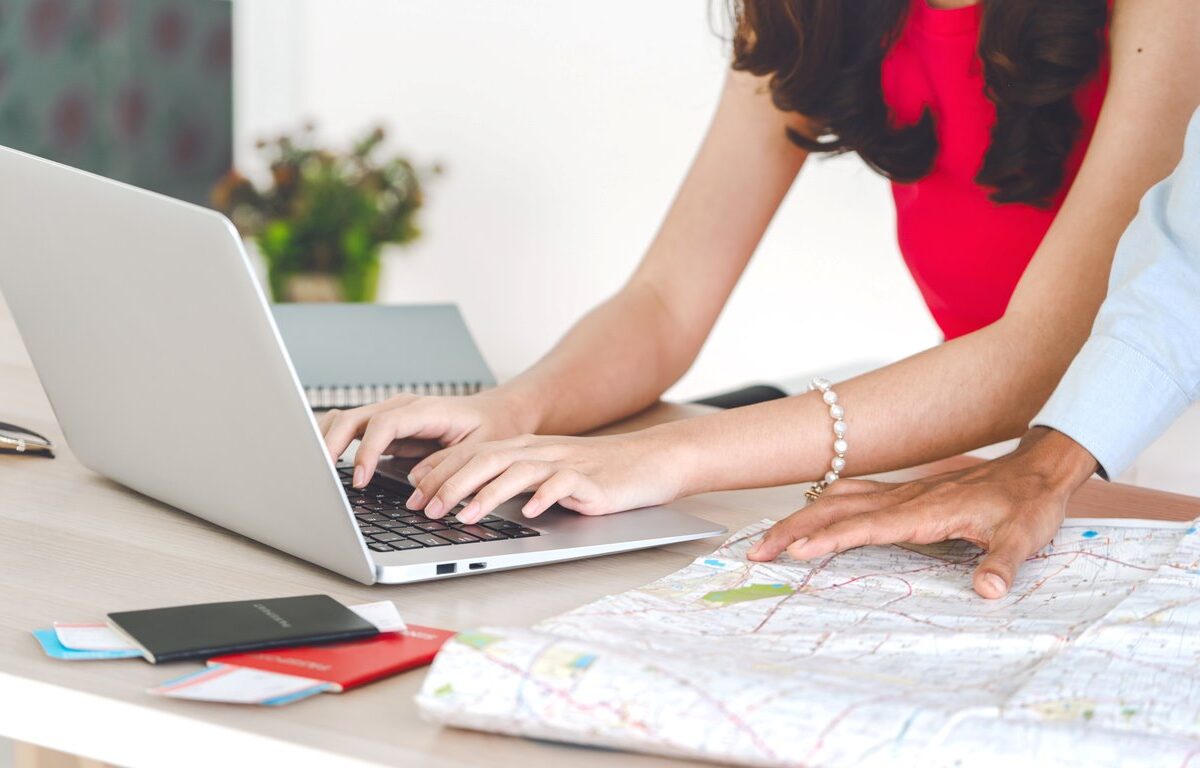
pixel 477 640
pixel 752 592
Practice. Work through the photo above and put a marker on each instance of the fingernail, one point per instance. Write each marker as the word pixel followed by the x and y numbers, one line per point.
pixel 360 476
pixel 416 500
pixel 469 513
pixel 434 508
pixel 996 583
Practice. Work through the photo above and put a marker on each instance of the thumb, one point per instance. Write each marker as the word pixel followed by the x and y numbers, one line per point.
pixel 999 567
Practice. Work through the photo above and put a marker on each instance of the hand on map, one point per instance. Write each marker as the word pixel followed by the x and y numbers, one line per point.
pixel 1011 507
pixel 590 475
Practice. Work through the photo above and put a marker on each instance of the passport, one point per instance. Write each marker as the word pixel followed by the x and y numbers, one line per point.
pixel 348 665
pixel 210 629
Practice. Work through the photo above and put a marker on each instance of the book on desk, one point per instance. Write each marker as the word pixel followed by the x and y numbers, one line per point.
pixel 350 355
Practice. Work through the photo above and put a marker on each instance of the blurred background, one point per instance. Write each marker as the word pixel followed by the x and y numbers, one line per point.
pixel 545 141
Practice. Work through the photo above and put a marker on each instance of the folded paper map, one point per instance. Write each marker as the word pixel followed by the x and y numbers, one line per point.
pixel 876 656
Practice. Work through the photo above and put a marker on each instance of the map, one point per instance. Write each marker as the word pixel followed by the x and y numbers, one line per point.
pixel 875 656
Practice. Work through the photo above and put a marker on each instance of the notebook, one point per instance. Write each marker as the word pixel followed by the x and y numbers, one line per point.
pixel 202 631
pixel 348 355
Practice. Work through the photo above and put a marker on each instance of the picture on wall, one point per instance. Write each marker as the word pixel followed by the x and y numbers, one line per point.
pixel 137 90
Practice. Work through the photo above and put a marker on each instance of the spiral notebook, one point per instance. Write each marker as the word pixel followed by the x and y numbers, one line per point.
pixel 348 355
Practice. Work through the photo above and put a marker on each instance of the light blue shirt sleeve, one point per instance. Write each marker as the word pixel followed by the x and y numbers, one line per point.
pixel 1140 369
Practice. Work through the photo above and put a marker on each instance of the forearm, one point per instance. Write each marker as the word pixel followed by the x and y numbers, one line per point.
pixel 623 355
pixel 614 362
pixel 973 391
pixel 967 393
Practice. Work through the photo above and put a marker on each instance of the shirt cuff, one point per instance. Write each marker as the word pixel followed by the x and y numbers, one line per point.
pixel 1114 401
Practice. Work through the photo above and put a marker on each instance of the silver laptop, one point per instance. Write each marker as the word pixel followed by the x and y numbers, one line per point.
pixel 167 374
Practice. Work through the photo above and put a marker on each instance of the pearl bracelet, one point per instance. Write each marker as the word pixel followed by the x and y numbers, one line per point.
pixel 837 413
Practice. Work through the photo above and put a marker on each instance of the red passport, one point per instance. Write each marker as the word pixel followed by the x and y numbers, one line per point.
pixel 349 665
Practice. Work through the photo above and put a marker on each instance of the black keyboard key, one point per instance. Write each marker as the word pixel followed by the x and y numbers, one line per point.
pixel 408 530
pixel 431 525
pixel 490 519
pixel 386 536
pixel 457 537
pixel 403 544
pixel 479 532
pixel 371 517
pixel 370 530
pixel 521 532
pixel 429 540
pixel 500 524
pixel 376 546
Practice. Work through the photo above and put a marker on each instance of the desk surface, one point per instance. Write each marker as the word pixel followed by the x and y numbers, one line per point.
pixel 74 545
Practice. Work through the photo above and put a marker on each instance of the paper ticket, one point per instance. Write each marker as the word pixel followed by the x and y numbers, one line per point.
pixel 382 614
pixel 238 685
pixel 91 637
pixel 48 639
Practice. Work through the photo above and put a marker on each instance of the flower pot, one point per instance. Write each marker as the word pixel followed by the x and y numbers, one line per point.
pixel 351 285
pixel 310 286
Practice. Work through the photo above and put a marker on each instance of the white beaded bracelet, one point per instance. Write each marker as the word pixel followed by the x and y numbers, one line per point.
pixel 837 413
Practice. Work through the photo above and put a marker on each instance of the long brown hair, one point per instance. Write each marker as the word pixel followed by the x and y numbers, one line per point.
pixel 824 56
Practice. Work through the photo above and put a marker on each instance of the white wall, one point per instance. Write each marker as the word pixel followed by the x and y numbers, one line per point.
pixel 565 128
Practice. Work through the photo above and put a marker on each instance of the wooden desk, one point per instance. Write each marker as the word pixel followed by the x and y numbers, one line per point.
pixel 74 545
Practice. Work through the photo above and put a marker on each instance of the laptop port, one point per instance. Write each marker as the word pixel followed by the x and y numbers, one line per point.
pixel 477 566
pixel 446 568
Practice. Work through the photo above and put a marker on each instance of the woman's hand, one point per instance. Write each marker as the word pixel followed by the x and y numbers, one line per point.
pixel 590 475
pixel 1011 507
pixel 413 426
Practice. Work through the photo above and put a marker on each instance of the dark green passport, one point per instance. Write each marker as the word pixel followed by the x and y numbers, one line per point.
pixel 211 629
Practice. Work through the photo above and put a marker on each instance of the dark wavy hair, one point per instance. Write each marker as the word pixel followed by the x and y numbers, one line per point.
pixel 824 56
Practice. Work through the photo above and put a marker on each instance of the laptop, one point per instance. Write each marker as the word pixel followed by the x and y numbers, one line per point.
pixel 160 357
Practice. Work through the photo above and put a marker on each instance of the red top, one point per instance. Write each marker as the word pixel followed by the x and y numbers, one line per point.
pixel 965 252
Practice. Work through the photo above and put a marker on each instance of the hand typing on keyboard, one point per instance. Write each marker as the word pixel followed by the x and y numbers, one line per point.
pixel 387 526
pixel 412 426
pixel 590 475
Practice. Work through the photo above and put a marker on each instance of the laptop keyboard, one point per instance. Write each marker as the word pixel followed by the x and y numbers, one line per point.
pixel 388 526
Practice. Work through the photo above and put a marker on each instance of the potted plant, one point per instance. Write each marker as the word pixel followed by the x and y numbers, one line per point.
pixel 321 223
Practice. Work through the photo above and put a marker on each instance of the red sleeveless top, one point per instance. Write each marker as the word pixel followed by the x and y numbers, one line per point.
pixel 965 252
